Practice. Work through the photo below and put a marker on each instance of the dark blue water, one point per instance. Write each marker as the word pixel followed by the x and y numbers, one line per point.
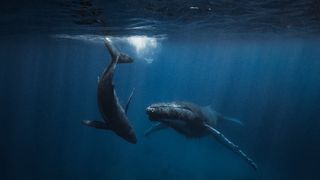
pixel 270 82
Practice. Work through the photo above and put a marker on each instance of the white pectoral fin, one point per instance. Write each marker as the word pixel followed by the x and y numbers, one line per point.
pixel 155 127
pixel 95 124
pixel 220 137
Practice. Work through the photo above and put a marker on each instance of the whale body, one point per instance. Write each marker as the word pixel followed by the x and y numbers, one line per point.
pixel 114 116
pixel 192 121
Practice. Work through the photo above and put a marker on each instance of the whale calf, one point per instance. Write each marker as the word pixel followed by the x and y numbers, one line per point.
pixel 192 121
pixel 114 116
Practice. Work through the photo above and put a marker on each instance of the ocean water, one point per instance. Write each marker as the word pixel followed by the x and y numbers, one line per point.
pixel 256 61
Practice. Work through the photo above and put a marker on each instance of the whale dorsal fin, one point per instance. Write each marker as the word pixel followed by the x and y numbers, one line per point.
pixel 129 100
pixel 222 139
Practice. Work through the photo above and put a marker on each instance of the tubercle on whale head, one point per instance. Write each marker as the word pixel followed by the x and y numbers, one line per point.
pixel 159 111
pixel 149 109
pixel 155 112
pixel 156 107
pixel 163 107
pixel 151 112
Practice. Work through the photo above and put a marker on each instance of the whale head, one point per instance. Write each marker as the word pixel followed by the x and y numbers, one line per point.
pixel 161 111
pixel 156 111
pixel 171 110
pixel 165 113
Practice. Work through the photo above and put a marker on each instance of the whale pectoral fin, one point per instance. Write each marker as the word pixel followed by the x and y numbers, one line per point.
pixel 96 124
pixel 129 100
pixel 220 137
pixel 155 127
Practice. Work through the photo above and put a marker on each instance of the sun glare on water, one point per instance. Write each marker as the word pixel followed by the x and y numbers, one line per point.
pixel 145 47
pixel 142 43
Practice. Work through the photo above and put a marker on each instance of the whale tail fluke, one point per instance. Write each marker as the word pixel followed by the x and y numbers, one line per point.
pixel 233 120
pixel 115 53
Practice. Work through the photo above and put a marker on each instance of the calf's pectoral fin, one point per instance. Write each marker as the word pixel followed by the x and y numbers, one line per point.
pixel 220 137
pixel 95 124
pixel 155 127
pixel 129 100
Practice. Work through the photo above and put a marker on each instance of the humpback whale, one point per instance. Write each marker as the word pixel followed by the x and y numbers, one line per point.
pixel 192 121
pixel 114 116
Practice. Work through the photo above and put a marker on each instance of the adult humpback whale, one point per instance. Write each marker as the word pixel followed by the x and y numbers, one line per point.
pixel 191 120
pixel 114 116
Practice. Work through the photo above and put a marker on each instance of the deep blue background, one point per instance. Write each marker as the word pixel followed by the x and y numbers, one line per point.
pixel 49 85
